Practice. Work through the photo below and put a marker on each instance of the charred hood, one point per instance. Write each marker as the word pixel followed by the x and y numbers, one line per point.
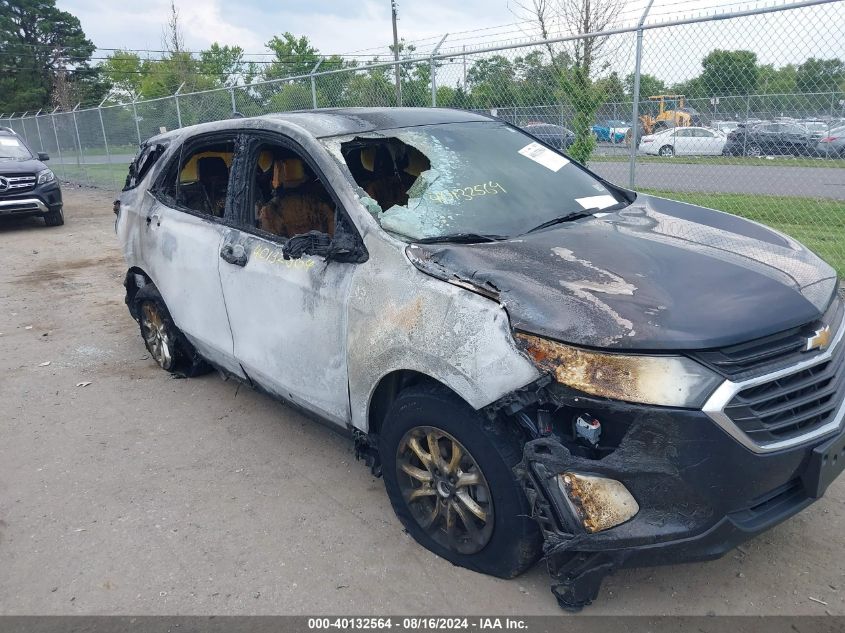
pixel 659 275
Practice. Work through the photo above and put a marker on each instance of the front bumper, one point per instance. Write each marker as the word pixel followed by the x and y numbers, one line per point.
pixel 42 200
pixel 700 492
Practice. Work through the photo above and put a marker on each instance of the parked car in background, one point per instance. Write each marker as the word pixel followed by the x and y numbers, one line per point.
pixel 556 136
pixel 832 145
pixel 611 131
pixel 684 141
pixel 27 186
pixel 724 126
pixel 774 138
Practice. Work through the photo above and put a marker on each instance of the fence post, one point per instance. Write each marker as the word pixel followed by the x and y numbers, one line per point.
pixel 106 140
pixel 747 114
pixel 178 110
pixel 135 116
pixel 232 94
pixel 23 127
pixel 433 71
pixel 80 158
pixel 635 109
pixel 58 146
pixel 314 84
pixel 38 128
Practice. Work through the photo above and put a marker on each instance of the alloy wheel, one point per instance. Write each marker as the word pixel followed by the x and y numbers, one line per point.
pixel 156 336
pixel 444 489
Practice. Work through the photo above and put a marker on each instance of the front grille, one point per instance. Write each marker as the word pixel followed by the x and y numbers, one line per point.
pixel 791 405
pixel 767 354
pixel 17 183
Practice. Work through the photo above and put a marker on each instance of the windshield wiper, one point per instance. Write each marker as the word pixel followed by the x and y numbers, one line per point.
pixel 461 238
pixel 576 215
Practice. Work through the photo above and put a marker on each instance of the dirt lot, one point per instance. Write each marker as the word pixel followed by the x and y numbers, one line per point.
pixel 144 494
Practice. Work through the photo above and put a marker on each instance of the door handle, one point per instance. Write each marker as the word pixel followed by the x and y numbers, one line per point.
pixel 234 254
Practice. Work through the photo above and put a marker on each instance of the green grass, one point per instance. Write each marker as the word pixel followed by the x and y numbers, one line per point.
pixel 817 223
pixel 104 176
pixel 780 161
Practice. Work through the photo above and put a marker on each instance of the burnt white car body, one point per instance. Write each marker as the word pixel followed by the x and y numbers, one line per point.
pixel 376 317
pixel 609 353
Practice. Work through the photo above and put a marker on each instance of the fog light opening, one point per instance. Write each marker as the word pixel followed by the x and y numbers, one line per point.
pixel 598 503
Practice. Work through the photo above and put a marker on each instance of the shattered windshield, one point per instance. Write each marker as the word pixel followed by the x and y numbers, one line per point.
pixel 476 178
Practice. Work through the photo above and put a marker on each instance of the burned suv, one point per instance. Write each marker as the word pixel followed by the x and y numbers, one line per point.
pixel 27 186
pixel 537 361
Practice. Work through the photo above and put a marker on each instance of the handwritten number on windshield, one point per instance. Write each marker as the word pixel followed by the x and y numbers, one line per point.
pixel 450 196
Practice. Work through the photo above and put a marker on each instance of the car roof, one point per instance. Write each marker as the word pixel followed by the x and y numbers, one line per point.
pixel 325 122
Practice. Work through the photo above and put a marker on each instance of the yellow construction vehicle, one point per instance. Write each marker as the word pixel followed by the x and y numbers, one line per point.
pixel 665 111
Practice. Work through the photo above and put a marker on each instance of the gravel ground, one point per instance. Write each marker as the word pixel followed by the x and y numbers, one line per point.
pixel 142 494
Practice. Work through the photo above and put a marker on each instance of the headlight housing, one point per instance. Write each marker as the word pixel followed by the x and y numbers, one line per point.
pixel 46 175
pixel 669 381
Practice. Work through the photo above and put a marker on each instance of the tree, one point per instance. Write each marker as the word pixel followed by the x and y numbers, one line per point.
pixel 224 65
pixel 649 85
pixel 729 73
pixel 38 42
pixel 577 82
pixel 124 72
pixel 293 56
pixel 491 81
pixel 820 75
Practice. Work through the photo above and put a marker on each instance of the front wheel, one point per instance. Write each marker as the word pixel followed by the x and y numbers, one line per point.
pixel 55 218
pixel 448 474
pixel 667 151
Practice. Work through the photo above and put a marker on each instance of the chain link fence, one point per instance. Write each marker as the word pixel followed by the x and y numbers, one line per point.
pixel 742 112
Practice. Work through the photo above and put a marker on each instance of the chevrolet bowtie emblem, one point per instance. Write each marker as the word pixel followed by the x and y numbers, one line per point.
pixel 820 340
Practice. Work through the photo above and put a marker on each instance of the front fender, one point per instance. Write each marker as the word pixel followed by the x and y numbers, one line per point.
pixel 403 319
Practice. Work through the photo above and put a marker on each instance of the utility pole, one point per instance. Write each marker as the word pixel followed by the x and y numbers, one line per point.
pixel 393 11
pixel 635 118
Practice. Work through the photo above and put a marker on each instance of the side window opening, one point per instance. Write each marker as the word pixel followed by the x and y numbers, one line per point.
pixel 289 198
pixel 146 158
pixel 385 168
pixel 204 178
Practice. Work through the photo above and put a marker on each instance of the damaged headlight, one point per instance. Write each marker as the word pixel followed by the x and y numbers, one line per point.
pixel 670 381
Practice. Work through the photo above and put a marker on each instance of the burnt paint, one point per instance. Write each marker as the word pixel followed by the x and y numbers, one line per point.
pixel 658 275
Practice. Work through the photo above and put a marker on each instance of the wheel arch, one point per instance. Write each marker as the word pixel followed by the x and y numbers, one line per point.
pixel 133 283
pixel 388 388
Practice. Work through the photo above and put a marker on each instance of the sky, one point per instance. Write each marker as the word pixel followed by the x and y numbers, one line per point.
pixel 363 27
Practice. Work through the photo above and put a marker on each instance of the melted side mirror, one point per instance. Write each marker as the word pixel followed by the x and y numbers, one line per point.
pixel 311 243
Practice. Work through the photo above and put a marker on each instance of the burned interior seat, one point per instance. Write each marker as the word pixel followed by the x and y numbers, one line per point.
pixel 299 203
pixel 213 176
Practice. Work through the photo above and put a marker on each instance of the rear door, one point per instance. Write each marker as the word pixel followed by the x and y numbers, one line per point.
pixel 288 314
pixel 181 243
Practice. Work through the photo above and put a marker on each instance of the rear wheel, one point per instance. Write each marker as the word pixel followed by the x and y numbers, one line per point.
pixel 55 218
pixel 448 474
pixel 163 340
pixel 753 150
pixel 667 151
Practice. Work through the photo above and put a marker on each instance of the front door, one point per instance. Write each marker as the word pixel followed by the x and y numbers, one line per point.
pixel 288 316
pixel 181 241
